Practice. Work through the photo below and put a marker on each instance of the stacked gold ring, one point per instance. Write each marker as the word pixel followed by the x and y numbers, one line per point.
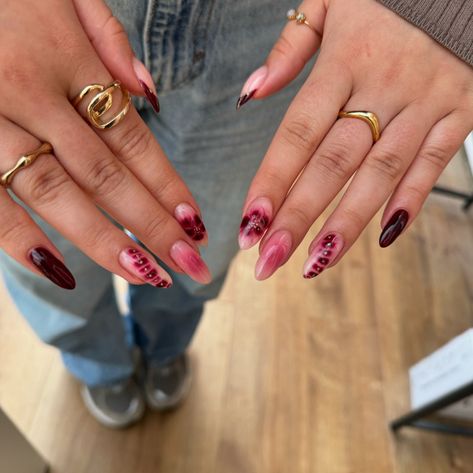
pixel 24 161
pixel 102 102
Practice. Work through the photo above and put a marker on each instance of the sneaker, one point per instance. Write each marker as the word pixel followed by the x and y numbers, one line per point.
pixel 115 406
pixel 166 386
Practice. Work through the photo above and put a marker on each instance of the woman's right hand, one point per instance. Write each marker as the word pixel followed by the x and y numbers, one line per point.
pixel 49 51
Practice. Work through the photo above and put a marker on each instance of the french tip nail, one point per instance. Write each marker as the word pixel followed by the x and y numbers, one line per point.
pixel 245 98
pixel 53 268
pixel 151 96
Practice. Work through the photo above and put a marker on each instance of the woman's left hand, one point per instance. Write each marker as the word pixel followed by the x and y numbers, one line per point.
pixel 370 60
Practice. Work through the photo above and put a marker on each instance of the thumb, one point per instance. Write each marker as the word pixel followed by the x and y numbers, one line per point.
pixel 295 47
pixel 110 41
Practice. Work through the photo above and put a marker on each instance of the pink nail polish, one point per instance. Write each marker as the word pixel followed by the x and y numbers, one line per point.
pixel 274 254
pixel 147 84
pixel 253 83
pixel 190 262
pixel 191 222
pixel 140 264
pixel 255 222
pixel 322 254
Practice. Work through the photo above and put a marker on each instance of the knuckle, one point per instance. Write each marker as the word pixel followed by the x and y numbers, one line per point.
pixel 300 133
pixel 155 227
pixel 13 227
pixel 105 176
pixel 388 164
pixel 113 27
pixel 353 219
pixel 416 193
pixel 96 237
pixel 334 161
pixel 436 156
pixel 134 143
pixel 298 213
pixel 46 184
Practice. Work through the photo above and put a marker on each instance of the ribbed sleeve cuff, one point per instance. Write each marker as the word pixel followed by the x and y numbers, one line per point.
pixel 450 22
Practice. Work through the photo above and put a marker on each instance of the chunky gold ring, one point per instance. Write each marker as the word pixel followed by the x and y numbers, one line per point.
pixel 300 18
pixel 25 161
pixel 102 102
pixel 368 117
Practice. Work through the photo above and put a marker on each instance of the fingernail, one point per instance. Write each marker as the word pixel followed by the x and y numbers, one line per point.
pixel 147 84
pixel 323 253
pixel 255 222
pixel 191 222
pixel 393 228
pixel 190 262
pixel 253 83
pixel 274 254
pixel 144 267
pixel 52 268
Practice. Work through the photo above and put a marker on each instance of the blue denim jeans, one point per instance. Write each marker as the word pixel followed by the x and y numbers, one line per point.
pixel 200 52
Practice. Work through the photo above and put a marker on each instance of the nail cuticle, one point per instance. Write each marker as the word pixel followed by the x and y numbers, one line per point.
pixel 53 268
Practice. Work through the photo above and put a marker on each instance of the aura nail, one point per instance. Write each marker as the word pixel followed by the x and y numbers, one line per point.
pixel 190 262
pixel 53 268
pixel 143 266
pixel 255 222
pixel 191 222
pixel 147 84
pixel 323 253
pixel 273 255
pixel 393 228
pixel 253 83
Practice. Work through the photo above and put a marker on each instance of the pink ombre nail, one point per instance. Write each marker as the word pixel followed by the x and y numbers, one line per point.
pixel 255 222
pixel 191 222
pixel 142 265
pixel 190 262
pixel 274 254
pixel 322 254
pixel 253 83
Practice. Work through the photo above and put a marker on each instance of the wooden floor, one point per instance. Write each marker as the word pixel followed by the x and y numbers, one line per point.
pixel 291 376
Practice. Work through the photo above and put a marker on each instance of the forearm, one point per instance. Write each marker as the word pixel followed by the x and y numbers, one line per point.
pixel 447 21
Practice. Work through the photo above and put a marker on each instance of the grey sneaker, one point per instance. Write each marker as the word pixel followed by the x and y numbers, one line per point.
pixel 116 406
pixel 166 386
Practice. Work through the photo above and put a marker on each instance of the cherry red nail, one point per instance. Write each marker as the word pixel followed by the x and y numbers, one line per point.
pixel 52 268
pixel 323 253
pixel 143 266
pixel 191 222
pixel 255 222
pixel 393 228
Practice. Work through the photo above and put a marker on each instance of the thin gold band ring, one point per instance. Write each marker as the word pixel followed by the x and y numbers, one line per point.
pixel 24 161
pixel 102 102
pixel 300 18
pixel 368 117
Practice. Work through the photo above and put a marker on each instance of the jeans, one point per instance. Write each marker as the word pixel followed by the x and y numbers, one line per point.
pixel 199 52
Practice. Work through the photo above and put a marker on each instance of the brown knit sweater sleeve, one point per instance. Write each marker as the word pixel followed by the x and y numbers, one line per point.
pixel 450 22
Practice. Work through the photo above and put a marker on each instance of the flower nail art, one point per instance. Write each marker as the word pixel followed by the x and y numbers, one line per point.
pixel 137 263
pixel 255 222
pixel 322 255
pixel 191 222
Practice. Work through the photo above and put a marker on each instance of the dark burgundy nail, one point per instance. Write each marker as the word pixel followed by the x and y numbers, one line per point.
pixel 393 228
pixel 151 96
pixel 52 268
pixel 245 98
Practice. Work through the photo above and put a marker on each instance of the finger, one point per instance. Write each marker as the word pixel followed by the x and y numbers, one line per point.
pixel 374 182
pixel 308 119
pixel 110 41
pixel 295 47
pixel 23 240
pixel 47 189
pixel 438 149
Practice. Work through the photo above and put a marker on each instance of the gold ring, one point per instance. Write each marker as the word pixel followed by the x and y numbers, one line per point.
pixel 25 161
pixel 102 102
pixel 300 18
pixel 368 117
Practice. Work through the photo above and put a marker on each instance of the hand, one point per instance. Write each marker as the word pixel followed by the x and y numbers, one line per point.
pixel 49 51
pixel 370 60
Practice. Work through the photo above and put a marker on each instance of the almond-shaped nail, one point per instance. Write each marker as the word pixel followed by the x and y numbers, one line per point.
pixel 323 253
pixel 191 222
pixel 147 84
pixel 53 268
pixel 190 262
pixel 143 266
pixel 253 83
pixel 274 254
pixel 255 222
pixel 393 228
